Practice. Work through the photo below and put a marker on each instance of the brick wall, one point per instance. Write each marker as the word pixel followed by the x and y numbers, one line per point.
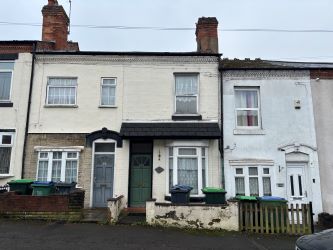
pixel 11 202
pixel 323 74
pixel 207 35
pixel 60 140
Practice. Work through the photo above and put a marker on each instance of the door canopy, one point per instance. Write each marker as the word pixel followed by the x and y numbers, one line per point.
pixel 104 133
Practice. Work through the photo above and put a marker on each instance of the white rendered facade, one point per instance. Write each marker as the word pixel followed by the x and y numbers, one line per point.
pixel 277 144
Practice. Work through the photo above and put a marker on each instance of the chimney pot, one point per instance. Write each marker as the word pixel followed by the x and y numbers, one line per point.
pixel 52 2
pixel 207 35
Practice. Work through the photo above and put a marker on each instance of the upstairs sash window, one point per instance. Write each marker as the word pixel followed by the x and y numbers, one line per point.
pixel 187 92
pixel 247 107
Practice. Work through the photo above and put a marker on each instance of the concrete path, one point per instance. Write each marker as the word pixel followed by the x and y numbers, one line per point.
pixel 41 235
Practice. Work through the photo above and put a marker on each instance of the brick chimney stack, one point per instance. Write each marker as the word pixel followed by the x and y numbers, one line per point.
pixel 207 35
pixel 55 25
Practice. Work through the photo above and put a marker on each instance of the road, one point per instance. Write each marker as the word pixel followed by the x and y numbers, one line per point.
pixel 49 235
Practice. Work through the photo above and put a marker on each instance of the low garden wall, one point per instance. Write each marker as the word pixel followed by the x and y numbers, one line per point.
pixel 53 207
pixel 116 205
pixel 199 216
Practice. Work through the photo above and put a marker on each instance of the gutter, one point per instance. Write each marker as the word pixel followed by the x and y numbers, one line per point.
pixel 29 107
pixel 130 53
pixel 221 138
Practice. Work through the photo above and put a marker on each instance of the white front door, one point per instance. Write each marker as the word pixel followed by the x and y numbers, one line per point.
pixel 297 185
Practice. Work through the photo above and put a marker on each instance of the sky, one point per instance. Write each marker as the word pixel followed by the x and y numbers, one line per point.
pixel 231 14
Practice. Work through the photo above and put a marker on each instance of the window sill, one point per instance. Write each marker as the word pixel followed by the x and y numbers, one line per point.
pixel 6 104
pixel 107 107
pixel 5 176
pixel 184 117
pixel 249 132
pixel 60 106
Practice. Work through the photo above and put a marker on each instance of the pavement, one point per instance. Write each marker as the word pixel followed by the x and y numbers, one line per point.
pixel 55 235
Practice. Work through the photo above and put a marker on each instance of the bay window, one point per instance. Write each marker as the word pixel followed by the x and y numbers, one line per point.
pixel 247 107
pixel 57 166
pixel 187 166
pixel 6 145
pixel 61 91
pixel 253 181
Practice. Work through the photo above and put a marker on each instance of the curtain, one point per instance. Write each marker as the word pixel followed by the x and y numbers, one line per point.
pixel 5 153
pixel 62 90
pixel 61 95
pixel 240 185
pixel 42 171
pixel 247 118
pixel 186 104
pixel 253 171
pixel 71 171
pixel 246 99
pixel 5 82
pixel 188 173
pixel 108 95
pixel 186 88
pixel 266 183
pixel 62 82
pixel 56 166
pixel 254 186
pixel 186 85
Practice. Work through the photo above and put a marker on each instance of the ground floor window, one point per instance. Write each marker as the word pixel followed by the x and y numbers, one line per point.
pixel 188 166
pixel 6 145
pixel 57 166
pixel 254 181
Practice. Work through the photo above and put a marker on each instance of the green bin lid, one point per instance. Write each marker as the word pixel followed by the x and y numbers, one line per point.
pixel 213 190
pixel 246 198
pixel 23 181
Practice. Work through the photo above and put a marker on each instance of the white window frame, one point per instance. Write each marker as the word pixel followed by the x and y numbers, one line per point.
pixel 48 90
pixel 64 158
pixel 246 177
pixel 257 89
pixel 11 145
pixel 11 84
pixel 197 95
pixel 199 156
pixel 115 92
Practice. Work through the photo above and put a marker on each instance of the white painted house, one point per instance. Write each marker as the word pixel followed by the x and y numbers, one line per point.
pixel 127 123
pixel 15 72
pixel 321 88
pixel 269 134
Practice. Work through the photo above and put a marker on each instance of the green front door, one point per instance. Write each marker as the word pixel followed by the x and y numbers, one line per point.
pixel 140 179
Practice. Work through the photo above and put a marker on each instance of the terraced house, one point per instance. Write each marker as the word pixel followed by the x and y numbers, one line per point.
pixel 16 66
pixel 133 124
pixel 130 124
pixel 270 142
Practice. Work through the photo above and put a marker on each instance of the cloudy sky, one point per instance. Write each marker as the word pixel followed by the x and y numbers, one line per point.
pixel 232 14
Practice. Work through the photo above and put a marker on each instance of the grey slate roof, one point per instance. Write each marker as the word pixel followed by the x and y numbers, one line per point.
pixel 247 64
pixel 171 130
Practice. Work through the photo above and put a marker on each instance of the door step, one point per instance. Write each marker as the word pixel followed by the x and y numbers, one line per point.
pixel 96 215
pixel 135 210
pixel 132 219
